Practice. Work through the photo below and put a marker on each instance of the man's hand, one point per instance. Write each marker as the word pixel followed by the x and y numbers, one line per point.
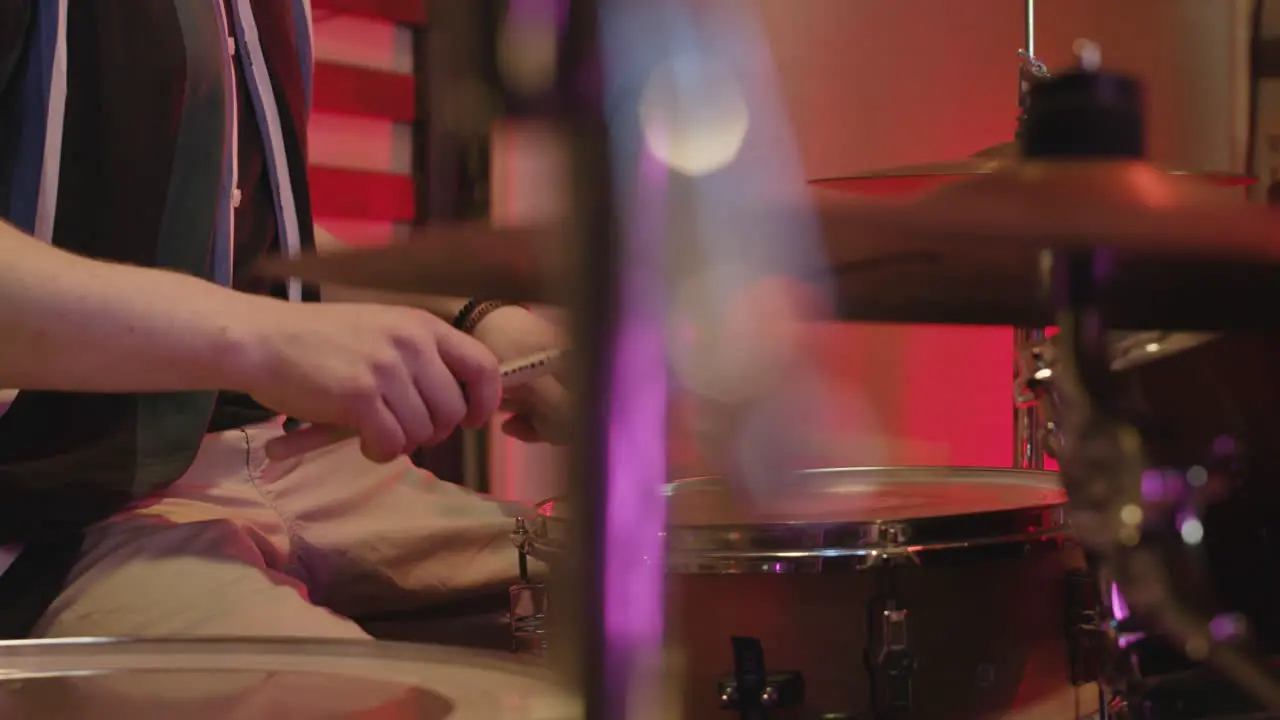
pixel 539 409
pixel 394 375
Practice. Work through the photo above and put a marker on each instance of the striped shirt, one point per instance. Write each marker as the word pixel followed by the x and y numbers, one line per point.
pixel 142 131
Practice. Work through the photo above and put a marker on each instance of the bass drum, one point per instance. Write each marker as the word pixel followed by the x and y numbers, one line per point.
pixel 1208 407
pixel 871 592
pixel 269 680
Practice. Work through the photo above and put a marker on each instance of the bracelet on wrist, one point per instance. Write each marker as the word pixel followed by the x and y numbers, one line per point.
pixel 473 313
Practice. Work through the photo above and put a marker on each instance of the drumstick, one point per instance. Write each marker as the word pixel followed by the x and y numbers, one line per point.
pixel 314 437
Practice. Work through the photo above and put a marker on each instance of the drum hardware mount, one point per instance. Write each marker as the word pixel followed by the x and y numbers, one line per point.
pixel 891 666
pixel 1033 383
pixel 528 609
pixel 752 691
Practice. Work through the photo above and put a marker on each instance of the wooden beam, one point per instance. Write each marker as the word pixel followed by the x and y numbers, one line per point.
pixel 362 91
pixel 361 195
pixel 404 12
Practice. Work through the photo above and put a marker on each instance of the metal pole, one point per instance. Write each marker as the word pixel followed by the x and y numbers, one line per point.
pixel 619 461
pixel 1028 449
pixel 1030 44
pixel 606 629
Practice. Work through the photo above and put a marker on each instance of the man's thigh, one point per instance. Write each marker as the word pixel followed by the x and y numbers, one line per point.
pixel 376 538
pixel 140 577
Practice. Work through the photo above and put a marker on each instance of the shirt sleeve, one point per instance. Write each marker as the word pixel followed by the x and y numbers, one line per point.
pixel 15 21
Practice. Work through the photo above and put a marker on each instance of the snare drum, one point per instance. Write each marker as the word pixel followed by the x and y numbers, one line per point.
pixel 269 680
pixel 939 592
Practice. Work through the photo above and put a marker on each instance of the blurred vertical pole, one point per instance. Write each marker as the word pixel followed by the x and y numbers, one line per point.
pixel 619 460
pixel 451 173
pixel 492 56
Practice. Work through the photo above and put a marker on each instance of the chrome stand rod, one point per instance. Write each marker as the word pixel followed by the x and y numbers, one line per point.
pixel 1028 450
pixel 1030 39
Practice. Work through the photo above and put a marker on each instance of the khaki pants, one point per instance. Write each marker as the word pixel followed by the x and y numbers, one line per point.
pixel 242 546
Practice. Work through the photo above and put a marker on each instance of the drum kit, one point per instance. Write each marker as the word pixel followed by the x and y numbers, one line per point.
pixel 1138 581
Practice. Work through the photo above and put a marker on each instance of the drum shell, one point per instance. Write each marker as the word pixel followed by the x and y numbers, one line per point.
pixel 987 626
pixel 982 574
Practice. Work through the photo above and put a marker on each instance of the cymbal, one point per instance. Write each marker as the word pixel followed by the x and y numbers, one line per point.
pixel 970 252
pixel 908 179
pixel 472 259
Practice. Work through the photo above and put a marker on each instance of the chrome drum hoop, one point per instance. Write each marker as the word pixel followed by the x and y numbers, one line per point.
pixel 811 547
pixel 299 677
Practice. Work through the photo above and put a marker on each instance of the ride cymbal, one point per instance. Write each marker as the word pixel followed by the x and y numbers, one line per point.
pixel 908 179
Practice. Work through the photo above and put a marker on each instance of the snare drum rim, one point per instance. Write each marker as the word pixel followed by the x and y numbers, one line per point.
pixel 802 547
pixel 68 655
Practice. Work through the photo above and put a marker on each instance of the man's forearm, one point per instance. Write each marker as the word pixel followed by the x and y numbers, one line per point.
pixel 76 324
pixel 443 307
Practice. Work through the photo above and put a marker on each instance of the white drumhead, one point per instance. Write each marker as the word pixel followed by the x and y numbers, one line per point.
pixel 858 495
pixel 269 680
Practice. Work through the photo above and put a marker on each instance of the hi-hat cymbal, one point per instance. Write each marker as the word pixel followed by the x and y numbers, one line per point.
pixel 908 179
pixel 456 259
pixel 971 251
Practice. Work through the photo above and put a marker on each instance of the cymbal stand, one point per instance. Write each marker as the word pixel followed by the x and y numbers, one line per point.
pixel 1028 442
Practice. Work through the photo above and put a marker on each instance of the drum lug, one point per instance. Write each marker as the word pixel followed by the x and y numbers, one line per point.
pixel 892 666
pixel 1087 640
pixel 751 690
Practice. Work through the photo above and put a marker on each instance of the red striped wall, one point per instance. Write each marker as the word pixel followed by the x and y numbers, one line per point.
pixel 360 136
